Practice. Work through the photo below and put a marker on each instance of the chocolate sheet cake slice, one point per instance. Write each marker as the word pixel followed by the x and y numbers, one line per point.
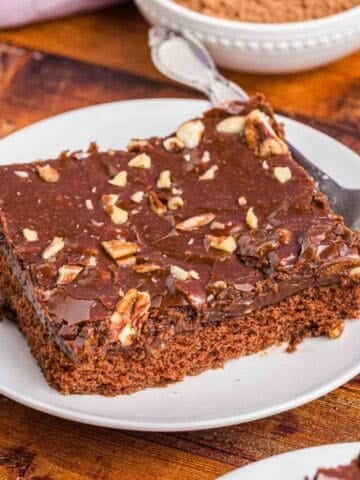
pixel 129 269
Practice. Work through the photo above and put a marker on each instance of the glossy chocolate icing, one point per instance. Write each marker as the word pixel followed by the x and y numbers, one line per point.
pixel 298 242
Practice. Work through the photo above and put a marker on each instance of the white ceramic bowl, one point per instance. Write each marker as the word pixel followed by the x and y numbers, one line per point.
pixel 259 47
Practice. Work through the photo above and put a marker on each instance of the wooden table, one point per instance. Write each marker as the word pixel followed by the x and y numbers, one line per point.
pixel 56 66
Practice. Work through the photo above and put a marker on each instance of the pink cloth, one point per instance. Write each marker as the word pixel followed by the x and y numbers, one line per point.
pixel 20 12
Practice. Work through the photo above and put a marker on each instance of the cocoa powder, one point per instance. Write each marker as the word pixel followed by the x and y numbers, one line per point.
pixel 269 11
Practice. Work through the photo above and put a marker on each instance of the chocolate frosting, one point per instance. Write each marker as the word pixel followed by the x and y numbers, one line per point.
pixel 298 241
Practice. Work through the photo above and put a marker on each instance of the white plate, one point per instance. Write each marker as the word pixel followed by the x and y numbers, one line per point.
pixel 246 389
pixel 298 464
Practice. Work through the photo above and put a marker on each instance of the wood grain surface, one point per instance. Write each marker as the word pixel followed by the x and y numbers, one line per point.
pixel 52 67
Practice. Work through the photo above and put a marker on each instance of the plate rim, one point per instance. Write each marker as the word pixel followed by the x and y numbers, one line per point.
pixel 233 475
pixel 226 421
pixel 170 426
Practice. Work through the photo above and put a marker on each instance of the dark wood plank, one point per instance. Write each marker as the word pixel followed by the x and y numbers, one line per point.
pixel 51 448
pixel 34 86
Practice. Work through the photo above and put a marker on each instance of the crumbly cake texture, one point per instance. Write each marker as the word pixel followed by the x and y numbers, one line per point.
pixel 269 11
pixel 130 269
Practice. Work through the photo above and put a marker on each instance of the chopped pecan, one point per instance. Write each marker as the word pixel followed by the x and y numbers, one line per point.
pixel 190 133
pixel 140 161
pixel 173 144
pixel 205 157
pixel 156 204
pixel 284 235
pixel 131 312
pixel 135 145
pixel 120 179
pixel 109 199
pixel 261 137
pixel 226 244
pixel 89 204
pixel 231 125
pixel 127 261
pixel 146 268
pixel 210 173
pixel 56 244
pixel 193 223
pixel 217 225
pixel 336 331
pixel 355 272
pixel 180 274
pixel 137 197
pixel 48 173
pixel 117 214
pixel 164 180
pixel 68 273
pixel 30 235
pixel 272 146
pixel 118 249
pixel 21 174
pixel 217 286
pixel 174 203
pixel 283 174
pixel 251 218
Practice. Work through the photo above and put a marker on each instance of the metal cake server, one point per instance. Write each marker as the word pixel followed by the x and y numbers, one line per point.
pixel 184 59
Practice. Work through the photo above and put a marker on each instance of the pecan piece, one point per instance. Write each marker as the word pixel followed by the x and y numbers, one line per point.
pixel 226 244
pixel 30 235
pixel 131 312
pixel 146 268
pixel 193 223
pixel 210 173
pixel 89 204
pixel 54 247
pixel 180 274
pixel 284 235
pixel 164 180
pixel 109 199
pixel 118 215
pixel 48 173
pixel 137 197
pixel 21 174
pixel 261 137
pixel 174 203
pixel 118 249
pixel 173 144
pixel 156 204
pixel 231 125
pixel 355 272
pixel 190 133
pixel 336 331
pixel 136 144
pixel 251 218
pixel 140 161
pixel 283 174
pixel 120 179
pixel 68 273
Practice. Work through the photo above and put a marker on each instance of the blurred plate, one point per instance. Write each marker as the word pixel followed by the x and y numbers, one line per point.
pixel 299 464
